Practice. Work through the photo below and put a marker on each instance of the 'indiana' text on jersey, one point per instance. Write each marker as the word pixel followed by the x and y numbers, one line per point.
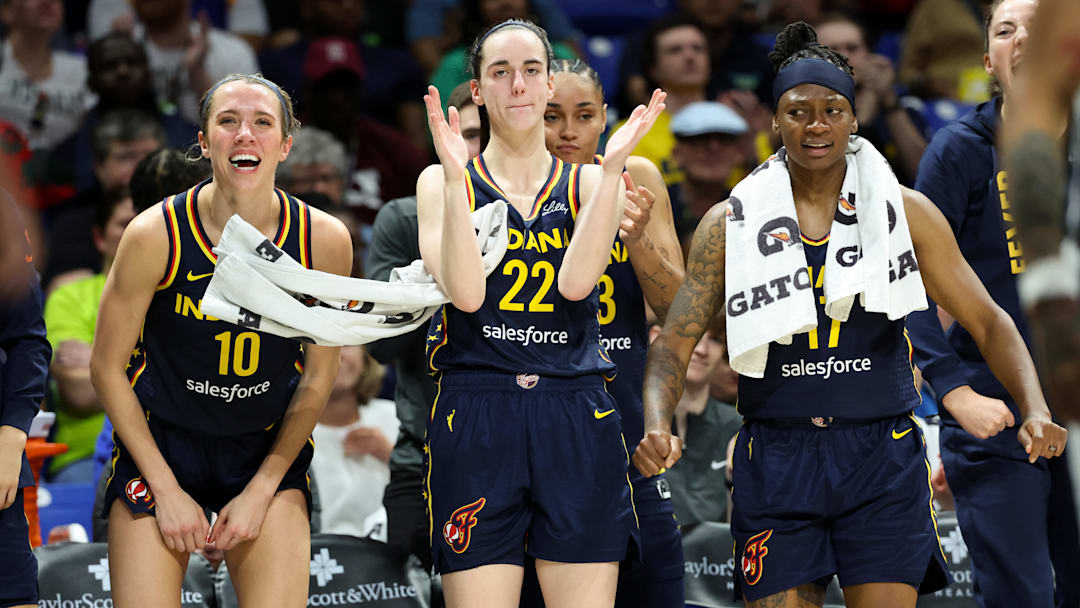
pixel 524 325
pixel 860 368
pixel 198 372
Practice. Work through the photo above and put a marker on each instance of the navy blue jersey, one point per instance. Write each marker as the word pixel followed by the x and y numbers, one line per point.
pixel 524 325
pixel 624 333
pixel 860 368
pixel 962 174
pixel 200 373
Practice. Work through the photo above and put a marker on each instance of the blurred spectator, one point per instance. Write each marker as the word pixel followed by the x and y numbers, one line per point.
pixel 245 18
pixel 782 12
pixel 676 58
pixel 706 425
pixel 739 62
pixel 24 371
pixel 71 316
pixel 42 91
pixel 186 56
pixel 353 440
pixel 436 26
pixel 943 51
pixel 479 16
pixel 120 140
pixel 882 119
pixel 384 161
pixel 120 76
pixel 712 146
pixel 394 83
pixel 162 173
pixel 316 163
pixel 468 117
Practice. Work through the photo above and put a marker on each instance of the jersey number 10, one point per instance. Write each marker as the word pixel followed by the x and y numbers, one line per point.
pixel 246 346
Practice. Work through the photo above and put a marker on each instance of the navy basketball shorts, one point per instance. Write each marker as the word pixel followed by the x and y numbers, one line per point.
pixel 657 582
pixel 526 464
pixel 18 566
pixel 212 469
pixel 847 500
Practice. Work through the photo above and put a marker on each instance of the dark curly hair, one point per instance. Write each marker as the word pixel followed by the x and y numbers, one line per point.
pixel 799 41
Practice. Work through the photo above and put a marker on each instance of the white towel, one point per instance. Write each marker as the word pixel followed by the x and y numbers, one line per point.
pixel 257 285
pixel 870 255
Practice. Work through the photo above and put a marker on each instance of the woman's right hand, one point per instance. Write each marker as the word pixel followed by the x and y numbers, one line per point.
pixel 449 143
pixel 181 521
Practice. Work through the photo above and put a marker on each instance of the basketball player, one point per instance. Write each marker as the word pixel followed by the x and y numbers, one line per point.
pixel 645 259
pixel 830 474
pixel 525 445
pixel 209 414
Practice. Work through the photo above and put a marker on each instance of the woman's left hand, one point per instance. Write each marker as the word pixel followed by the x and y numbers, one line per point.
pixel 637 212
pixel 240 520
pixel 623 141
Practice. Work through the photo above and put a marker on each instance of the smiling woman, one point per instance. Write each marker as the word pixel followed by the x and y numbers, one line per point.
pixel 208 414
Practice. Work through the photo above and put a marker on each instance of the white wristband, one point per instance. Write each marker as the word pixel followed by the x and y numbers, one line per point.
pixel 1052 277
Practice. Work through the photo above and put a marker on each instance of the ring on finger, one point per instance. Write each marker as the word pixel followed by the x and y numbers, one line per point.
pixel 1052 448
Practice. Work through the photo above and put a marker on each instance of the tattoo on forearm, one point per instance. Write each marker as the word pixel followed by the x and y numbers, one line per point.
pixel 1036 189
pixel 663 383
pixel 660 282
pixel 701 294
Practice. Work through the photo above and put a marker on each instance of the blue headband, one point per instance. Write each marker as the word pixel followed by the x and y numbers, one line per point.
pixel 813 71
pixel 247 78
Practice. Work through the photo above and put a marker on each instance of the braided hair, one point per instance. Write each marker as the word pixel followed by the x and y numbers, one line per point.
pixel 799 41
pixel 579 67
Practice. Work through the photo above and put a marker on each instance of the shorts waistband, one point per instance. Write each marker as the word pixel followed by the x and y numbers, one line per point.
pixel 458 379
pixel 819 422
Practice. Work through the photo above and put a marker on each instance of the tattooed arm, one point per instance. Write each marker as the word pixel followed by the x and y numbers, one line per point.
pixel 697 302
pixel 648 231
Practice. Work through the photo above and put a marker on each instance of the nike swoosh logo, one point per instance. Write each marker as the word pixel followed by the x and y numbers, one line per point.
pixel 598 414
pixel 196 277
pixel 717 464
pixel 896 435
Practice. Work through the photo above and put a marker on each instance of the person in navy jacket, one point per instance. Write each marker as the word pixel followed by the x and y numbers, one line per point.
pixel 1014 512
pixel 24 367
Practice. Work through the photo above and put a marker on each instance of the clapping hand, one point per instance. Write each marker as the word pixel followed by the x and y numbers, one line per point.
pixel 627 137
pixel 446 133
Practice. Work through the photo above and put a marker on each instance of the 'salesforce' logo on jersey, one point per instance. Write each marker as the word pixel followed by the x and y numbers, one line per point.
pixel 526 336
pixel 226 393
pixel 616 343
pixel 825 369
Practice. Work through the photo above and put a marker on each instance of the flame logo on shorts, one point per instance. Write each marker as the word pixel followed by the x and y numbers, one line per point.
pixel 753 559
pixel 138 492
pixel 458 531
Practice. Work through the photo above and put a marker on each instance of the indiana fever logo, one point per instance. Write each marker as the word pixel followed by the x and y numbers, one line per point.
pixel 139 493
pixel 776 234
pixel 753 559
pixel 458 531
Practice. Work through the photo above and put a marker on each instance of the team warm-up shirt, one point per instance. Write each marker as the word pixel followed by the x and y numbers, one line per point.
pixel 859 369
pixel 962 173
pixel 201 373
pixel 524 325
